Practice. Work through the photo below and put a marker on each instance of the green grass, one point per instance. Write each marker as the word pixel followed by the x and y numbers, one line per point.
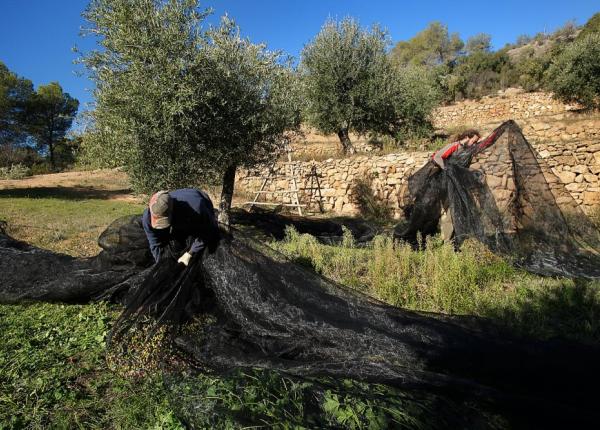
pixel 63 223
pixel 53 373
pixel 54 370
pixel 265 399
pixel 473 282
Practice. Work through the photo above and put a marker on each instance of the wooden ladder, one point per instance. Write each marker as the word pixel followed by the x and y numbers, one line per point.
pixel 290 174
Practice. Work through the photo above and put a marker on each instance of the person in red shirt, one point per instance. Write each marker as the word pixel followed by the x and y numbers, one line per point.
pixel 462 141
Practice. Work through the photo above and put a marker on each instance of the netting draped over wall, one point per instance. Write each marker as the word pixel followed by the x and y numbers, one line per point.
pixel 507 203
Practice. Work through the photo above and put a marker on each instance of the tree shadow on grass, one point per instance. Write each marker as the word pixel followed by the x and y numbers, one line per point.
pixel 65 193
pixel 570 310
pixel 271 225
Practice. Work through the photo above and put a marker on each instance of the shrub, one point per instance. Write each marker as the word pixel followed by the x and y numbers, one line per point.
pixel 574 74
pixel 370 206
pixel 15 171
pixel 478 74
pixel 590 27
pixel 523 39
pixel 530 72
pixel 41 169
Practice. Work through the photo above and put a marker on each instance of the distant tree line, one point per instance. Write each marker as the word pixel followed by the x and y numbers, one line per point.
pixel 34 123
pixel 565 62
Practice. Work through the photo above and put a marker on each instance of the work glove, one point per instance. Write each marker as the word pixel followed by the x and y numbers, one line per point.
pixel 185 258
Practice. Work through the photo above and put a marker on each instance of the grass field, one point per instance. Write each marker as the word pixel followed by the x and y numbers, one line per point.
pixel 53 372
pixel 53 367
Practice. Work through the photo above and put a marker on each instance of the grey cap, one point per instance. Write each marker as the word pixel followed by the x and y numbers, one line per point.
pixel 160 209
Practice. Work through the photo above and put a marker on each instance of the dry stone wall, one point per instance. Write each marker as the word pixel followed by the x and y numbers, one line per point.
pixel 339 179
pixel 567 143
pixel 510 104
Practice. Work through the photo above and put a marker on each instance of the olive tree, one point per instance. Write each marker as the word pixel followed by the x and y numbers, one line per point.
pixel 178 105
pixel 351 85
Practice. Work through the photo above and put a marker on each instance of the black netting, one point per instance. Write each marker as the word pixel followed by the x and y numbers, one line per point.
pixel 30 273
pixel 122 242
pixel 501 194
pixel 249 309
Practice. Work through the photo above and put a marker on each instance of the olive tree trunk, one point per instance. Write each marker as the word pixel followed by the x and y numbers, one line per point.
pixel 227 195
pixel 347 147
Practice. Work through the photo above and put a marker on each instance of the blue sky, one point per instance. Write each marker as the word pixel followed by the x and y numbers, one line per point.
pixel 36 36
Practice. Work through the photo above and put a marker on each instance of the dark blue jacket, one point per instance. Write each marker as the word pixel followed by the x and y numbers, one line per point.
pixel 192 216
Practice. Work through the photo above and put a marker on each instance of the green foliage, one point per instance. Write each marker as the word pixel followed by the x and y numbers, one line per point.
pixel 370 206
pixel 41 168
pixel 478 74
pixel 14 171
pixel 592 26
pixel 472 281
pixel 244 398
pixel 15 93
pixel 54 374
pixel 177 105
pixel 432 46
pixel 476 71
pixel 51 113
pixel 339 67
pixel 351 85
pixel 12 154
pixel 574 75
pixel 529 71
pixel 481 42
pixel 416 95
pixel 44 116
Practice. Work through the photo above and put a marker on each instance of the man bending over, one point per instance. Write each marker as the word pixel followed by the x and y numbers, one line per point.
pixel 181 222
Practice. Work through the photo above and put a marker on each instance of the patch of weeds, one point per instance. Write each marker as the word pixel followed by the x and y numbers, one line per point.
pixel 370 206
pixel 15 171
pixel 473 281
pixel 268 399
